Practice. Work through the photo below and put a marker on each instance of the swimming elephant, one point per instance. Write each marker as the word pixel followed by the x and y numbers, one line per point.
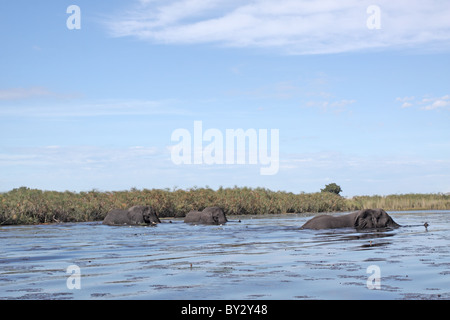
pixel 363 219
pixel 137 215
pixel 210 215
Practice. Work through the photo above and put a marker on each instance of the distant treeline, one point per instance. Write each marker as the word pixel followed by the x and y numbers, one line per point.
pixel 32 206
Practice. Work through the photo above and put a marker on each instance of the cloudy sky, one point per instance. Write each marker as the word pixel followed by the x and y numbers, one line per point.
pixel 359 91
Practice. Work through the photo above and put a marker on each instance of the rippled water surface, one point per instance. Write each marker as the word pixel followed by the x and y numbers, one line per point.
pixel 258 258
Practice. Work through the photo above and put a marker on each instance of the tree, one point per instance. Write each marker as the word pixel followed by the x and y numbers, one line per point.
pixel 333 188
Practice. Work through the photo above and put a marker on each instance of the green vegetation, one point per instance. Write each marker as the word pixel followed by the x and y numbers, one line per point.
pixel 31 206
pixel 399 202
pixel 333 188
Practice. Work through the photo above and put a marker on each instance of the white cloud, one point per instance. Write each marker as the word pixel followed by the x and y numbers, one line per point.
pixel 405 99
pixel 406 105
pixel 12 94
pixel 438 103
pixel 117 168
pixel 92 108
pixel 427 103
pixel 24 93
pixel 359 174
pixel 335 106
pixel 78 158
pixel 82 167
pixel 294 26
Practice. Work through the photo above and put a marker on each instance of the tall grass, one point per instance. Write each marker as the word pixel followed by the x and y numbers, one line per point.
pixel 31 206
pixel 405 202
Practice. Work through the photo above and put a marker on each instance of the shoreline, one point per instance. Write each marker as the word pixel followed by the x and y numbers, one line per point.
pixel 24 206
pixel 247 216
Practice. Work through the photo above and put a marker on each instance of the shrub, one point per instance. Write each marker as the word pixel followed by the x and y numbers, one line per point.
pixel 332 188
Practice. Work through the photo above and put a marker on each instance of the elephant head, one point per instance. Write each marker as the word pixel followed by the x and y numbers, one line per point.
pixel 149 215
pixel 217 215
pixel 374 218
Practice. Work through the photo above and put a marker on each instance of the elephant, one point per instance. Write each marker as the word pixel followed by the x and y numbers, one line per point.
pixel 210 215
pixel 137 215
pixel 362 219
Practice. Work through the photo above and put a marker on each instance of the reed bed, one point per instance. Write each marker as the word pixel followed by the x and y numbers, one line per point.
pixel 405 202
pixel 32 206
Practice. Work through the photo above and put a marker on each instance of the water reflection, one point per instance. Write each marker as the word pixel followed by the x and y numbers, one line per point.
pixel 367 238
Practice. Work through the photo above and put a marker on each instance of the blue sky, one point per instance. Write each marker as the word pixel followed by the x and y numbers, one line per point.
pixel 368 109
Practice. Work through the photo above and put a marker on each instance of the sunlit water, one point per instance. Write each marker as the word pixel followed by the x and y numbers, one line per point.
pixel 258 258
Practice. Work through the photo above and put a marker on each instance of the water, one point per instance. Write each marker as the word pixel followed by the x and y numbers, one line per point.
pixel 258 258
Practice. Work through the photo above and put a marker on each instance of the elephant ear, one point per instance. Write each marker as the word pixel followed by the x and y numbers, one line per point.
pixel 359 223
pixel 361 220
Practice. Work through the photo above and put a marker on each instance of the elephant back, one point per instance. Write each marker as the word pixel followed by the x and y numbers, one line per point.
pixel 136 215
pixel 210 215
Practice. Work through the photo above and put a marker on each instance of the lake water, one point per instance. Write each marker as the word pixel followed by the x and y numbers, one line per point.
pixel 258 258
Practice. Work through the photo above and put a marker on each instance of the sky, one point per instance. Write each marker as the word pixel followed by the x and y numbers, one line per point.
pixel 359 92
